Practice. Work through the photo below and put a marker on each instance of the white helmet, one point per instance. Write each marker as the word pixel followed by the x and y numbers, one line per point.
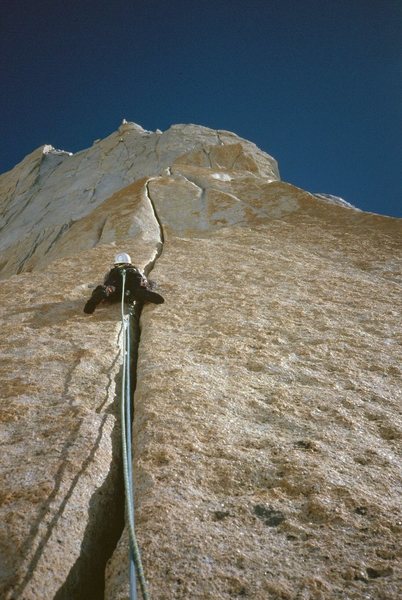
pixel 122 258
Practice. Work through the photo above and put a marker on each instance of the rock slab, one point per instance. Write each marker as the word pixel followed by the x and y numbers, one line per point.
pixel 267 419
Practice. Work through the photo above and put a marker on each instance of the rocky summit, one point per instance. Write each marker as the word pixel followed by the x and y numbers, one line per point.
pixel 267 425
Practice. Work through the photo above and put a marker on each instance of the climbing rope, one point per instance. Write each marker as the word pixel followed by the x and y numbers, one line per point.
pixel 135 569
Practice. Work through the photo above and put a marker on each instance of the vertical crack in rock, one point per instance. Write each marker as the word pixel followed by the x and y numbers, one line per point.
pixel 236 158
pixel 134 350
pixel 85 580
pixel 159 248
pixel 111 532
pixel 63 229
pixel 219 138
pixel 203 220
pixel 106 509
pixel 109 385
pixel 36 243
pixel 208 155
pixel 101 230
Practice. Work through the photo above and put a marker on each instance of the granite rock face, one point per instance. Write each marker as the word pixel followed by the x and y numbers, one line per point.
pixel 267 409
pixel 50 190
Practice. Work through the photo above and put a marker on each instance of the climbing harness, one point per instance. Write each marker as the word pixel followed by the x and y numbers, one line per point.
pixel 135 568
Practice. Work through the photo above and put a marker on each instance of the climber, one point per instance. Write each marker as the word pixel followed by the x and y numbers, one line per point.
pixel 137 287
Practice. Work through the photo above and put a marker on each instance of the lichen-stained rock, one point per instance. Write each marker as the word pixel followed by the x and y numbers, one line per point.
pixel 268 423
pixel 267 410
pixel 234 156
pixel 200 202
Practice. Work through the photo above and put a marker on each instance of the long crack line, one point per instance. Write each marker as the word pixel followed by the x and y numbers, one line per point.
pixel 160 245
pixel 136 327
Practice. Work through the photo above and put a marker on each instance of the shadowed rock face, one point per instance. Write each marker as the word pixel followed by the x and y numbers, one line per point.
pixel 267 423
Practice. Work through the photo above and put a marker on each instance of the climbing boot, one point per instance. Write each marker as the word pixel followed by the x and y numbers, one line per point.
pixel 90 306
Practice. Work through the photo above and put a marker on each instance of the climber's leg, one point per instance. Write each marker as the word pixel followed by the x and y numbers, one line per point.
pixel 144 295
pixel 97 296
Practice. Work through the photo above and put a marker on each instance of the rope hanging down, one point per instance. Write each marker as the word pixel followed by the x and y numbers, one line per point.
pixel 136 569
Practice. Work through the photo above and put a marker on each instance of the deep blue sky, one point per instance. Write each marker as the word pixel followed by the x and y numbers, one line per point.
pixel 315 83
